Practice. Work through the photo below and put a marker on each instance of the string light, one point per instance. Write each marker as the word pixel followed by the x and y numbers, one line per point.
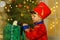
pixel 54 10
pixel 53 22
pixel 56 2
pixel 56 6
pixel 51 9
pixel 51 27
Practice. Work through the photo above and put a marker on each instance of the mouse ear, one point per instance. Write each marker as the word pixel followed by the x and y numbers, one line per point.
pixel 42 10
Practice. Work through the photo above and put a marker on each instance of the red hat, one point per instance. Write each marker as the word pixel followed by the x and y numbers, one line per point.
pixel 42 10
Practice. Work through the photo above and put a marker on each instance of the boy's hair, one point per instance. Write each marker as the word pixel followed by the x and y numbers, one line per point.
pixel 32 12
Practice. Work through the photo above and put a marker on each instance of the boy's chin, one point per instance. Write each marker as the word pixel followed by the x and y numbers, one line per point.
pixel 34 21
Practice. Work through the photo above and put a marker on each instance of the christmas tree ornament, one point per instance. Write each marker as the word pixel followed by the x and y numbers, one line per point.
pixel 22 14
pixel 2 4
pixel 8 1
pixel 16 6
pixel 24 5
pixel 24 2
pixel 8 10
pixel 42 10
pixel 10 5
pixel 8 19
pixel 19 5
pixel 32 1
pixel 5 7
pixel 27 7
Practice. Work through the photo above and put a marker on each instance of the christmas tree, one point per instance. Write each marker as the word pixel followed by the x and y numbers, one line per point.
pixel 20 10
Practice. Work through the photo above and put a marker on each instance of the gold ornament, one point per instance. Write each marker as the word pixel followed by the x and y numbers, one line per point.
pixel 10 5
pixel 19 5
pixel 8 19
pixel 8 10
pixel 24 6
pixel 16 6
pixel 24 2
pixel 27 7
pixel 5 7
pixel 22 14
pixel 11 19
pixel 32 1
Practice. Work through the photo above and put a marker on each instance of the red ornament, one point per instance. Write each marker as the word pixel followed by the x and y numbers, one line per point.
pixel 19 5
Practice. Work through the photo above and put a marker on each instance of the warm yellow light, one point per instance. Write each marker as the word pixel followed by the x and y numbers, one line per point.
pixel 56 6
pixel 51 27
pixel 5 7
pixel 54 10
pixel 56 18
pixel 51 9
pixel 53 22
pixel 11 7
pixel 56 2
pixel 56 22
pixel 11 19
pixel 8 19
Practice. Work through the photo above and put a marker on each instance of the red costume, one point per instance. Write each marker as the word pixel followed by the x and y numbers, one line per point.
pixel 39 31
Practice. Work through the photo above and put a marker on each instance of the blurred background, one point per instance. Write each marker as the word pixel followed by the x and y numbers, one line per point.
pixel 52 22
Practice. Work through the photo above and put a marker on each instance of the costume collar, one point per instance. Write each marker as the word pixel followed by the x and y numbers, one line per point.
pixel 41 22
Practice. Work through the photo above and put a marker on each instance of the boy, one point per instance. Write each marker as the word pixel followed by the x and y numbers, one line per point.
pixel 38 15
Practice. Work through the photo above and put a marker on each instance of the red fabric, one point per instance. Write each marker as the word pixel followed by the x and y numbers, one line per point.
pixel 38 33
pixel 42 10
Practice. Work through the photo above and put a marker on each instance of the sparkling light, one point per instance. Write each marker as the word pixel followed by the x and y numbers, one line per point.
pixel 56 2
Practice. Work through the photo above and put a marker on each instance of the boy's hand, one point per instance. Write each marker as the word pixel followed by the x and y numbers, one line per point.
pixel 25 27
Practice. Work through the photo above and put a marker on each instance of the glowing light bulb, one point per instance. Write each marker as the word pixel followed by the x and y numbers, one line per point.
pixel 51 27
pixel 56 6
pixel 56 2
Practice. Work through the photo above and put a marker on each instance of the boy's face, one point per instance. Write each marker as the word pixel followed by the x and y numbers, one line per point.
pixel 35 18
